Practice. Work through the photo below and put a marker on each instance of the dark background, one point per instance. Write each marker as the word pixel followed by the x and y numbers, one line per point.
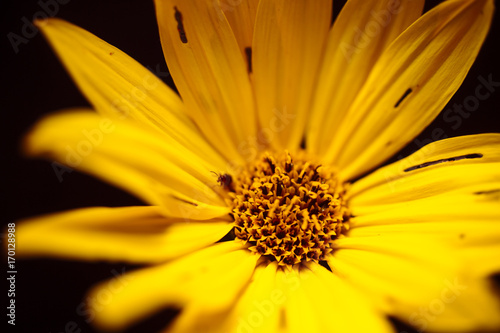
pixel 49 292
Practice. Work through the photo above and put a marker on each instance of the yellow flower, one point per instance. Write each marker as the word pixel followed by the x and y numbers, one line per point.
pixel 255 222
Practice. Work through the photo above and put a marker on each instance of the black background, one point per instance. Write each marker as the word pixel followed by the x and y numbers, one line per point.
pixel 49 292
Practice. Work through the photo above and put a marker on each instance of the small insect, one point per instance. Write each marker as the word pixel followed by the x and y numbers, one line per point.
pixel 224 180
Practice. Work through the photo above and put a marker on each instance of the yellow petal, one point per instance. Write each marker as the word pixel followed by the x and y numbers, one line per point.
pixel 241 16
pixel 398 273
pixel 256 310
pixel 132 234
pixel 478 202
pixel 483 258
pixel 209 279
pixel 287 48
pixel 340 306
pixel 476 241
pixel 299 309
pixel 259 308
pixel 146 163
pixel 410 84
pixel 361 32
pixel 209 71
pixel 119 87
pixel 439 167
pixel 418 280
pixel 466 218
pixel 461 306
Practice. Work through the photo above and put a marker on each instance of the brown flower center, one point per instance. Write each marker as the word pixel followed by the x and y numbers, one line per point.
pixel 289 210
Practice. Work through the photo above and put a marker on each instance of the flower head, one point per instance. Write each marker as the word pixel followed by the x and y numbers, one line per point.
pixel 254 222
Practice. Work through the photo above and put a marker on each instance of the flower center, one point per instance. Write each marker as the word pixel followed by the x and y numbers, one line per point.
pixel 289 210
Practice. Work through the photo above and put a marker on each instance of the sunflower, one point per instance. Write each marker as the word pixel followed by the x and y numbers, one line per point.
pixel 263 210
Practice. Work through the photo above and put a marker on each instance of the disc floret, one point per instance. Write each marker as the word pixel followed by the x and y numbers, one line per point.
pixel 289 210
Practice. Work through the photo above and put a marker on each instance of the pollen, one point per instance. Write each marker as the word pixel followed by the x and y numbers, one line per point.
pixel 289 210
